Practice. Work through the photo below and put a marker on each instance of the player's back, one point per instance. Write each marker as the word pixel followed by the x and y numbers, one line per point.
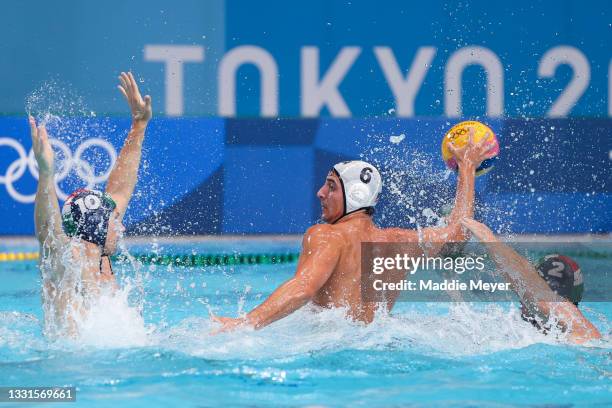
pixel 343 288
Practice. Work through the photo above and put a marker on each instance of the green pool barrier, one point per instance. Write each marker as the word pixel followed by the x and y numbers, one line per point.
pixel 211 259
pixel 181 260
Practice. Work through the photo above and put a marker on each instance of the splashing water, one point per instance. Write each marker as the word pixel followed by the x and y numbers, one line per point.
pixel 169 349
pixel 323 341
pixel 76 309
pixel 84 157
pixel 123 325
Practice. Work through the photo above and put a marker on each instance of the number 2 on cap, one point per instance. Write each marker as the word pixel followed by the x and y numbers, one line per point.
pixel 556 270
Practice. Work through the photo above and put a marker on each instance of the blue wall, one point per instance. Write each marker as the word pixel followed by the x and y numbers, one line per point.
pixel 242 173
pixel 260 176
pixel 86 44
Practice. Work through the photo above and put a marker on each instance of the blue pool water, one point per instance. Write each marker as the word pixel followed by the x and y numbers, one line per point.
pixel 424 354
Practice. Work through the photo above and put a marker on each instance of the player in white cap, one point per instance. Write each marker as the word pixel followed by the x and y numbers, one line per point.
pixel 329 269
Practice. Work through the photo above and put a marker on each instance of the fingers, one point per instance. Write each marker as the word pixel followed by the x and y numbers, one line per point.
pixel 215 319
pixel 42 133
pixel 129 89
pixel 123 92
pixel 471 135
pixel 124 82
pixel 134 84
pixel 218 319
pixel 454 149
pixel 489 149
pixel 33 129
pixel 222 329
pixel 490 152
pixel 484 140
pixel 485 144
pixel 132 81
pixel 218 330
pixel 41 140
pixel 39 134
pixel 34 134
pixel 222 321
pixel 128 81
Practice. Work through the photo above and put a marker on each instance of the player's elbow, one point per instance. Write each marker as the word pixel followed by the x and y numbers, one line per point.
pixel 305 293
pixel 454 232
pixel 309 292
pixel 453 240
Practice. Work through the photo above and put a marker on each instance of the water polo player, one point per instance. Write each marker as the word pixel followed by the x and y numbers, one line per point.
pixel 75 243
pixel 329 267
pixel 549 293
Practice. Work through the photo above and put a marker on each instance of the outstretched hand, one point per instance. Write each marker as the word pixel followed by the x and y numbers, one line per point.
pixel 42 148
pixel 141 108
pixel 227 323
pixel 480 231
pixel 474 153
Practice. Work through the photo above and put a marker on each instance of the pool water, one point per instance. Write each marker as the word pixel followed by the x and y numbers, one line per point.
pixel 423 354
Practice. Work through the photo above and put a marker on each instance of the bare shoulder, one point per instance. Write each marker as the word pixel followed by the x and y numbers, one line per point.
pixel 321 230
pixel 400 235
pixel 322 234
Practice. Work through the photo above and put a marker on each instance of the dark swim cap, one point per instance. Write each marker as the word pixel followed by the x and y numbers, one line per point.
pixel 563 275
pixel 86 214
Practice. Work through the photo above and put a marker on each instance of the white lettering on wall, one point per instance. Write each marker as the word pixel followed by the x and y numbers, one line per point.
pixel 268 73
pixel 320 88
pixel 580 79
pixel 453 73
pixel 174 56
pixel 406 89
pixel 319 93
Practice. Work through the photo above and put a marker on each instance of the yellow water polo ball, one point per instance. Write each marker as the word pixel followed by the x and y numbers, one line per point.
pixel 458 134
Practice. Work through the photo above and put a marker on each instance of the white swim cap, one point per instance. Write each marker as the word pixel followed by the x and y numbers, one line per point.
pixel 361 184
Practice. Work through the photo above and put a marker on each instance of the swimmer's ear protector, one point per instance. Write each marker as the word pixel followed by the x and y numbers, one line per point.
pixel 361 185
pixel 86 214
pixel 563 275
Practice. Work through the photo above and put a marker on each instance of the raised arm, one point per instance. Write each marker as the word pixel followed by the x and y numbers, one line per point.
pixel 124 175
pixel 468 159
pixel 531 288
pixel 320 254
pixel 47 215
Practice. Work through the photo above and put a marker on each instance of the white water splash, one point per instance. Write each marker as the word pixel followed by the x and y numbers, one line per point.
pixel 397 139
pixel 113 323
pixel 462 330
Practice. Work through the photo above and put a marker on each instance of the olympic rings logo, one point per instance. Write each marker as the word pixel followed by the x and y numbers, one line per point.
pixel 82 168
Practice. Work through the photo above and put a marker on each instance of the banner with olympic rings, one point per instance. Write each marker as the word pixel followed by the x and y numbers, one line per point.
pixel 70 162
pixel 260 176
pixel 226 58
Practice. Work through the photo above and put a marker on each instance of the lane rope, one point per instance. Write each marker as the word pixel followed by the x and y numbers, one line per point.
pixel 234 259
pixel 181 260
